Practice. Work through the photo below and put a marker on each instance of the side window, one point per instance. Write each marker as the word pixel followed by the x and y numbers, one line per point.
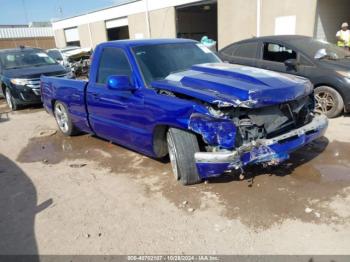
pixel 113 61
pixel 247 50
pixel 228 51
pixel 278 53
pixel 303 61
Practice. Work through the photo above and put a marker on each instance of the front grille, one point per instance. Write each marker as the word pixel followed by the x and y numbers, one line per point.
pixel 34 84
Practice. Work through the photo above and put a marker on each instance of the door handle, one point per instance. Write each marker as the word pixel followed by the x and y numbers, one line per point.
pixel 95 96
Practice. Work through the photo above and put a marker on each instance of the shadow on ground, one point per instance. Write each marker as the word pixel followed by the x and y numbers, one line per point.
pixel 18 207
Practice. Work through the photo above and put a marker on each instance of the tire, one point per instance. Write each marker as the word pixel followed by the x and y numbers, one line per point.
pixel 182 146
pixel 328 101
pixel 11 102
pixel 64 120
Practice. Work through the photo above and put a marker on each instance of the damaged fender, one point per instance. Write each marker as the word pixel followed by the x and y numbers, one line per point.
pixel 215 132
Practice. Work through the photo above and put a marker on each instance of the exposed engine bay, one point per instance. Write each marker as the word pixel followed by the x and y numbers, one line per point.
pixel 79 63
pixel 268 121
pixel 250 124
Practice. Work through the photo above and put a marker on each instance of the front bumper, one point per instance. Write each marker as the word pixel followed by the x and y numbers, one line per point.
pixel 26 95
pixel 270 151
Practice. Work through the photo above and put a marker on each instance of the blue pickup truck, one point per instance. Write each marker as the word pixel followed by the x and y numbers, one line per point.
pixel 175 97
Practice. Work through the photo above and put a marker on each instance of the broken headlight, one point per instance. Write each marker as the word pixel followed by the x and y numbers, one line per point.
pixel 215 132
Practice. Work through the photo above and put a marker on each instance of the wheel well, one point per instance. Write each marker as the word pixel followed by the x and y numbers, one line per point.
pixel 53 101
pixel 3 86
pixel 160 145
pixel 332 86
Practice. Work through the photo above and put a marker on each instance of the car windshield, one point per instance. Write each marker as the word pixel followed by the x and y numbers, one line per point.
pixel 158 61
pixel 319 49
pixel 25 58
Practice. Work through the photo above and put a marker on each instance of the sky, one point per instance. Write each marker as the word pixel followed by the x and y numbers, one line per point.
pixel 25 11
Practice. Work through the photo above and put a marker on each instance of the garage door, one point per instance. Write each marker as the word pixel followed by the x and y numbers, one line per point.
pixel 329 16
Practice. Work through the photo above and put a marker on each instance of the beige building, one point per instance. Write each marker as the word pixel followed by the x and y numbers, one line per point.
pixel 225 21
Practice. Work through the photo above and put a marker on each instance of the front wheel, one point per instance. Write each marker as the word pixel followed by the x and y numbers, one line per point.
pixel 64 120
pixel 11 102
pixel 328 101
pixel 182 146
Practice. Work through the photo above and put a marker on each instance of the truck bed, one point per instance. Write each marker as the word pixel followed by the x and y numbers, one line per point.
pixel 69 91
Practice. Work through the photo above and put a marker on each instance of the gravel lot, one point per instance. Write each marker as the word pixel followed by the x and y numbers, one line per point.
pixel 84 195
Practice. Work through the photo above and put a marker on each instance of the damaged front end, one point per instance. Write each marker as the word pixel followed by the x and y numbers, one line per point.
pixel 238 136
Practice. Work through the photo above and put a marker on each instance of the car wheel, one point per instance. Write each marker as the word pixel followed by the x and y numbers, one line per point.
pixel 182 146
pixel 328 101
pixel 11 102
pixel 63 120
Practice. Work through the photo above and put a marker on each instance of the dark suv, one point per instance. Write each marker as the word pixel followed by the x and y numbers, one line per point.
pixel 326 65
pixel 20 71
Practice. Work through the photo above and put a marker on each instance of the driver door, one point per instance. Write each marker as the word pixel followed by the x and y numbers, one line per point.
pixel 115 114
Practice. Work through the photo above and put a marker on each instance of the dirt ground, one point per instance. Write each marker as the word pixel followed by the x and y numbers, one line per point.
pixel 84 195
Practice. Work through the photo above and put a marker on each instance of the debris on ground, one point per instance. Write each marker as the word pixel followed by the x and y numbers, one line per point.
pixel 77 165
pixel 308 210
pixel 48 132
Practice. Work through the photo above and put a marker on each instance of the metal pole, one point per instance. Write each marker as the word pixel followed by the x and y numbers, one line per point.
pixel 147 20
pixel 258 17
pixel 90 36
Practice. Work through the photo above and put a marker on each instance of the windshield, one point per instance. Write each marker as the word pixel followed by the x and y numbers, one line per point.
pixel 25 58
pixel 320 49
pixel 158 61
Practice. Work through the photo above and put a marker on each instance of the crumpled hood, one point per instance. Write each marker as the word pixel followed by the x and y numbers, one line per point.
pixel 227 84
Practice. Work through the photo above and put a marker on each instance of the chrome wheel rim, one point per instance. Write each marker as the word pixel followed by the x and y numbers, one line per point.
pixel 8 98
pixel 61 117
pixel 172 156
pixel 324 102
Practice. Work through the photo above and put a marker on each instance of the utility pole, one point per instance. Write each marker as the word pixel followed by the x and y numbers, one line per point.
pixel 60 11
pixel 25 12
pixel 258 17
pixel 147 20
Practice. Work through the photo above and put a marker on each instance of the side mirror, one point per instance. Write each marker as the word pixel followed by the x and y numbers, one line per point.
pixel 291 63
pixel 121 83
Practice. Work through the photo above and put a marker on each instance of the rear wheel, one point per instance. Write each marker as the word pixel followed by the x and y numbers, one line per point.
pixel 328 101
pixel 64 121
pixel 182 146
pixel 11 102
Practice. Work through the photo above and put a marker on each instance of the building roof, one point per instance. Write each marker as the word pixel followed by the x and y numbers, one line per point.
pixel 25 32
